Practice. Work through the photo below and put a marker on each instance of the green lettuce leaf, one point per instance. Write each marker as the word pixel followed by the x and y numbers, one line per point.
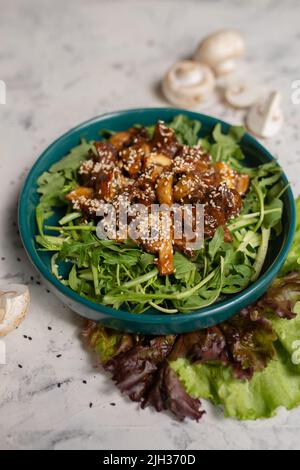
pixel 277 385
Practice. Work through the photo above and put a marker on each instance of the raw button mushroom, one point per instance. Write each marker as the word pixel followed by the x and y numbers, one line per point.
pixel 14 304
pixel 188 83
pixel 241 95
pixel 220 50
pixel 265 117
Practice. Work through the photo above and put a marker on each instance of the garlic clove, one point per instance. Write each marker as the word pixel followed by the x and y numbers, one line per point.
pixel 14 304
pixel 241 95
pixel 188 83
pixel 265 117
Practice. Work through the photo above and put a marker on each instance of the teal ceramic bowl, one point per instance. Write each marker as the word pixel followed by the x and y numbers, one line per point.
pixel 151 322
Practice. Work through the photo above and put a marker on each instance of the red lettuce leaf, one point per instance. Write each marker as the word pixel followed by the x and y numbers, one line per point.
pixel 249 342
pixel 207 345
pixel 134 370
pixel 282 296
pixel 167 393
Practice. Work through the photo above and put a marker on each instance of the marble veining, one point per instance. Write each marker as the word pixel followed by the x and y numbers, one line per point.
pixel 64 62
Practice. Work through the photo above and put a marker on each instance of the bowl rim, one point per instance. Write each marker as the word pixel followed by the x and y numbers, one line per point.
pixel 214 309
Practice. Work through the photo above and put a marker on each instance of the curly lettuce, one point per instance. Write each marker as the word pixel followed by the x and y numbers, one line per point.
pixel 278 384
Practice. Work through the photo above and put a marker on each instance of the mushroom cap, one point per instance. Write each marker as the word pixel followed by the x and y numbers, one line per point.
pixel 187 83
pixel 241 94
pixel 265 117
pixel 218 49
pixel 14 304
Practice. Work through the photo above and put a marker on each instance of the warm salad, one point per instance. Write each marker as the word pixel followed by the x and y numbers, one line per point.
pixel 164 164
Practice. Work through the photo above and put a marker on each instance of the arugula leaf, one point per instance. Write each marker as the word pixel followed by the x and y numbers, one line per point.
pixel 186 129
pixel 74 282
pixel 146 259
pixel 225 147
pixel 54 184
pixel 69 164
pixel 184 267
pixel 216 243
pixel 233 136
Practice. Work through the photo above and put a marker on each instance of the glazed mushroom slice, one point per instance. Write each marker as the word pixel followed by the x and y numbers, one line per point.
pixel 232 178
pixel 241 95
pixel 162 243
pixel 83 199
pixel 265 117
pixel 187 83
pixel 106 154
pixel 123 139
pixel 133 156
pixel 164 189
pixel 220 51
pixel 79 192
pixel 154 164
pixel 105 187
pixel 164 140
pixel 190 159
pixel 155 158
pixel 14 304
pixel 165 262
pixel 185 186
pixel 120 139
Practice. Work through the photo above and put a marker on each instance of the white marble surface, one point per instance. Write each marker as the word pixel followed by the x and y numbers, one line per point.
pixel 64 62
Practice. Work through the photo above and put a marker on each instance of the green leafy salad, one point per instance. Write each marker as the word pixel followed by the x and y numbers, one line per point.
pixel 127 274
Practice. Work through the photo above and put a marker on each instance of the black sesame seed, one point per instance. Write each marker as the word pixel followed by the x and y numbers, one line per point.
pixel 19 259
pixel 49 328
pixel 25 336
pixel 58 385
pixel 84 381
pixel 58 355
pixel 29 337
pixel 20 366
pixel 90 405
pixel 112 404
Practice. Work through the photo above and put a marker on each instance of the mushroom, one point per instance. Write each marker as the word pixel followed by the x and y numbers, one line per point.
pixel 188 83
pixel 241 94
pixel 265 117
pixel 14 303
pixel 220 49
